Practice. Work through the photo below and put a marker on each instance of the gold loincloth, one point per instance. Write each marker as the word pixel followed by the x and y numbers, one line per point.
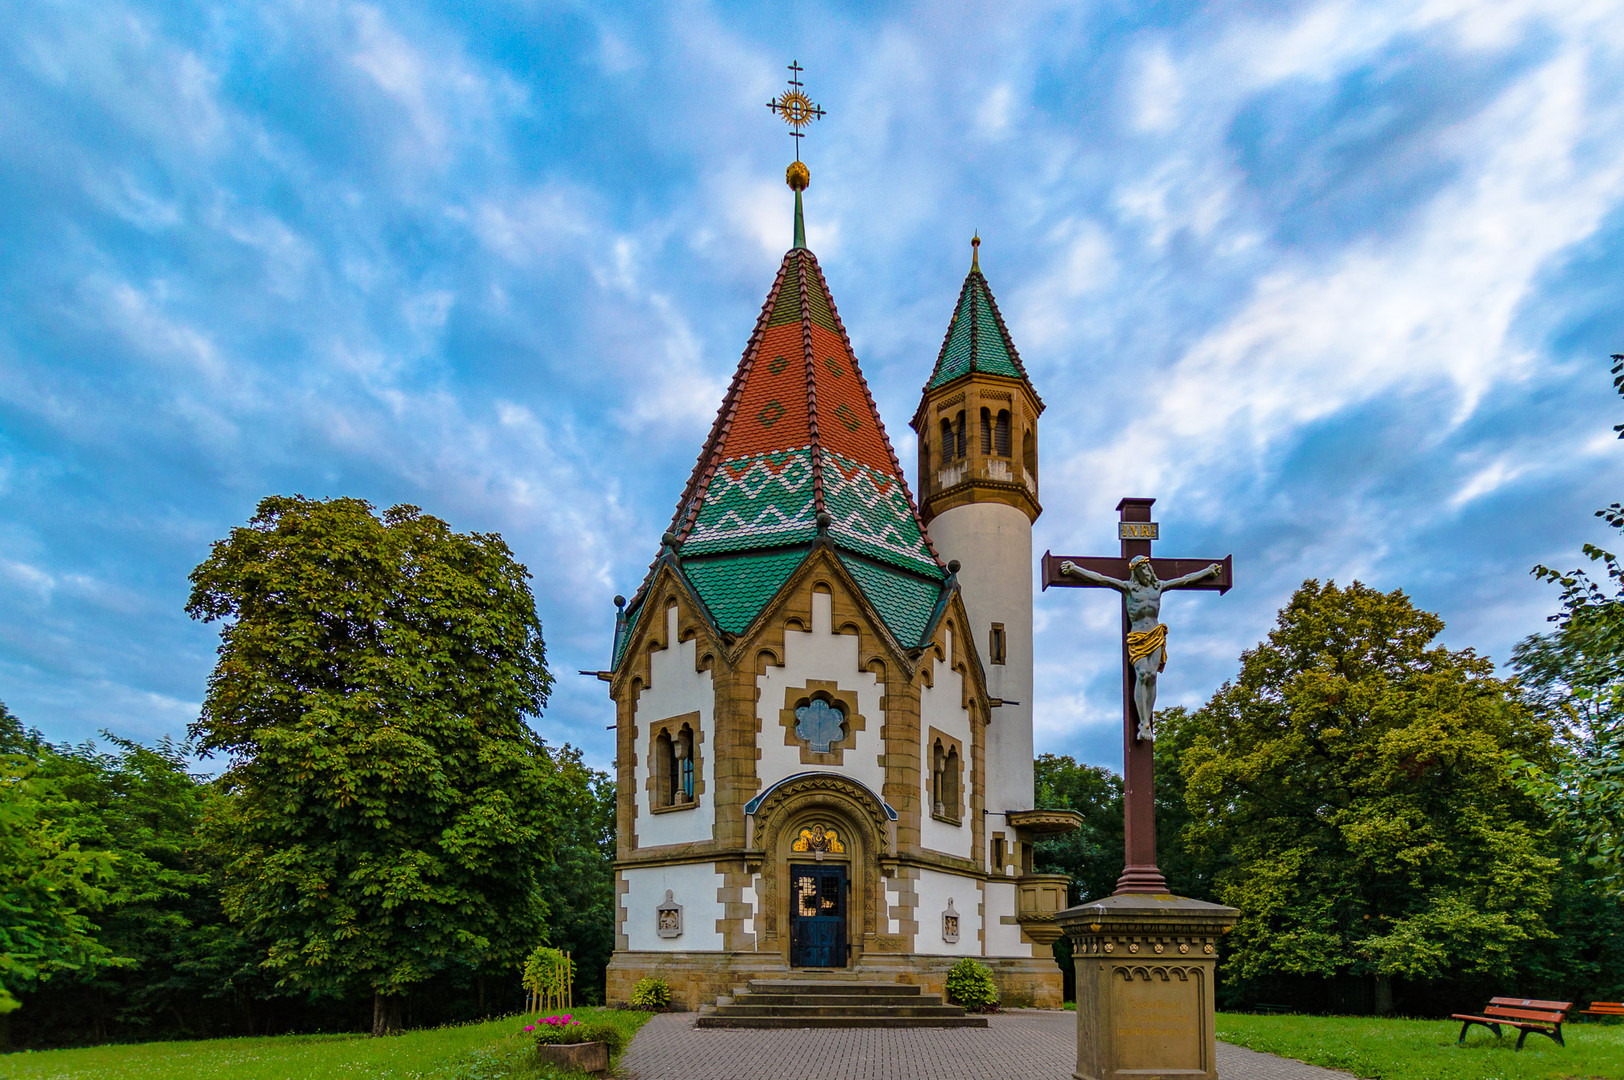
pixel 1142 643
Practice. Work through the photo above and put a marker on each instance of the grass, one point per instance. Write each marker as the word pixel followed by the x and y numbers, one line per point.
pixel 493 1050
pixel 1393 1049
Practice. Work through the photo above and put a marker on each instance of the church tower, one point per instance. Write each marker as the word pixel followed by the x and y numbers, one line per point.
pixel 977 424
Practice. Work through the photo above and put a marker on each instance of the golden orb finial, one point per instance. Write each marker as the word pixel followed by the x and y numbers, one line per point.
pixel 975 251
pixel 798 176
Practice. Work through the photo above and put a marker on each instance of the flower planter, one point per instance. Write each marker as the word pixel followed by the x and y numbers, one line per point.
pixel 588 1057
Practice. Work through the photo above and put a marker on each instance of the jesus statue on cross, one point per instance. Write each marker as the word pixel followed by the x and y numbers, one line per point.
pixel 1147 635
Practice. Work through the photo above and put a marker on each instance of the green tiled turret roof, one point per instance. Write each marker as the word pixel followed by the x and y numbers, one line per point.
pixel 797 457
pixel 977 339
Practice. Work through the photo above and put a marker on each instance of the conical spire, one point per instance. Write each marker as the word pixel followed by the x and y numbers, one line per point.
pixel 977 339
pixel 798 455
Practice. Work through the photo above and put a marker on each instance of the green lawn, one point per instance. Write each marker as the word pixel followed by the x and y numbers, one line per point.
pixel 1387 1049
pixel 494 1050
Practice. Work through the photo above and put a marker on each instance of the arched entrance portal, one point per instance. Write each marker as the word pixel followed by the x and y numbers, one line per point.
pixel 819 897
pixel 822 836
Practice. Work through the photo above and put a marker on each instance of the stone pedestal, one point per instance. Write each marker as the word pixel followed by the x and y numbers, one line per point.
pixel 1145 967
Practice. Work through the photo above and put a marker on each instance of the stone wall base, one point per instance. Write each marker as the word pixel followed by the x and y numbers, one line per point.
pixel 699 978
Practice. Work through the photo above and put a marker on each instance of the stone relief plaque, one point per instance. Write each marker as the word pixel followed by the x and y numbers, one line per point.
pixel 668 917
pixel 950 924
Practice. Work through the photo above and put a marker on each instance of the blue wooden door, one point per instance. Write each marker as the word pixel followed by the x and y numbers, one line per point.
pixel 817 916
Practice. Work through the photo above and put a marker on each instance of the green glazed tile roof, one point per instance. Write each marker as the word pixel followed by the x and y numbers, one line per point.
pixel 736 587
pixel 977 339
pixel 905 601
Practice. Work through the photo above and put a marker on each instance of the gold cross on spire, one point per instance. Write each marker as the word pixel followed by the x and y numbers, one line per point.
pixel 795 107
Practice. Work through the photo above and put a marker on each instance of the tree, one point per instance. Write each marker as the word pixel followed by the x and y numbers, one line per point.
pixel 1574 678
pixel 1352 793
pixel 579 888
pixel 47 883
pixel 393 812
pixel 1093 854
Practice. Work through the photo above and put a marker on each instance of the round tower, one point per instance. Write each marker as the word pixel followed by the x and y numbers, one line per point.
pixel 977 424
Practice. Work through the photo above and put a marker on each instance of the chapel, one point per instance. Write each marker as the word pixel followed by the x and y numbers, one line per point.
pixel 823 687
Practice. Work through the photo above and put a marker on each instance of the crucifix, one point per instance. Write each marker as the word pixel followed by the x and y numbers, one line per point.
pixel 1141 579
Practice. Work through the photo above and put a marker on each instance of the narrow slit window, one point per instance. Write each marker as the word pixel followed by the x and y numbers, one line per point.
pixel 998 855
pixel 947 441
pixel 986 431
pixel 996 648
pixel 1000 434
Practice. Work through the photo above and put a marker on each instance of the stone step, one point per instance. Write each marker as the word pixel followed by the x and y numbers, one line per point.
pixel 829 986
pixel 752 998
pixel 832 1002
pixel 841 1022
pixel 752 1009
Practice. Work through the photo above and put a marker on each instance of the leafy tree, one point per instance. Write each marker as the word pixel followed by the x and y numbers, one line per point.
pixel 161 909
pixel 579 887
pixel 1574 678
pixel 1351 792
pixel 392 813
pixel 48 885
pixel 1093 854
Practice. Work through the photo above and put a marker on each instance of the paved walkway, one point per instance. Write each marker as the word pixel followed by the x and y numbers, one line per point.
pixel 1017 1045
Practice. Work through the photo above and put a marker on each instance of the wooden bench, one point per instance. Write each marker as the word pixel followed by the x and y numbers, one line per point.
pixel 1524 1014
pixel 1605 1008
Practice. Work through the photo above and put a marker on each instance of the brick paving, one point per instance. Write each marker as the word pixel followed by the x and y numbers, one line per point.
pixel 1016 1045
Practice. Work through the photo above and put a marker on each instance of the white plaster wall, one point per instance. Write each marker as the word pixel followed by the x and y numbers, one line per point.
pixel 1002 940
pixel 934 888
pixel 748 895
pixel 693 885
pixel 820 654
pixel 941 705
pixel 675 689
pixel 993 542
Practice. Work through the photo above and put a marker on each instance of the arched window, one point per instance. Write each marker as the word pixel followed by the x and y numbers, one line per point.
pixel 950 784
pixel 986 431
pixel 959 446
pixel 1029 453
pixel 1000 434
pixel 947 441
pixel 683 748
pixel 665 769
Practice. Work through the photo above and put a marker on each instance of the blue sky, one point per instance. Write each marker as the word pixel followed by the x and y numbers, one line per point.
pixel 1336 283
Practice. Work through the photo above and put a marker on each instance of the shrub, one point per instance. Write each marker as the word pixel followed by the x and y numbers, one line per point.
pixel 604 1032
pixel 970 984
pixel 652 994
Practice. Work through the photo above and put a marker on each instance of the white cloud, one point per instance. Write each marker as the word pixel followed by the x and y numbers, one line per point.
pixel 1158 92
pixel 1392 314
